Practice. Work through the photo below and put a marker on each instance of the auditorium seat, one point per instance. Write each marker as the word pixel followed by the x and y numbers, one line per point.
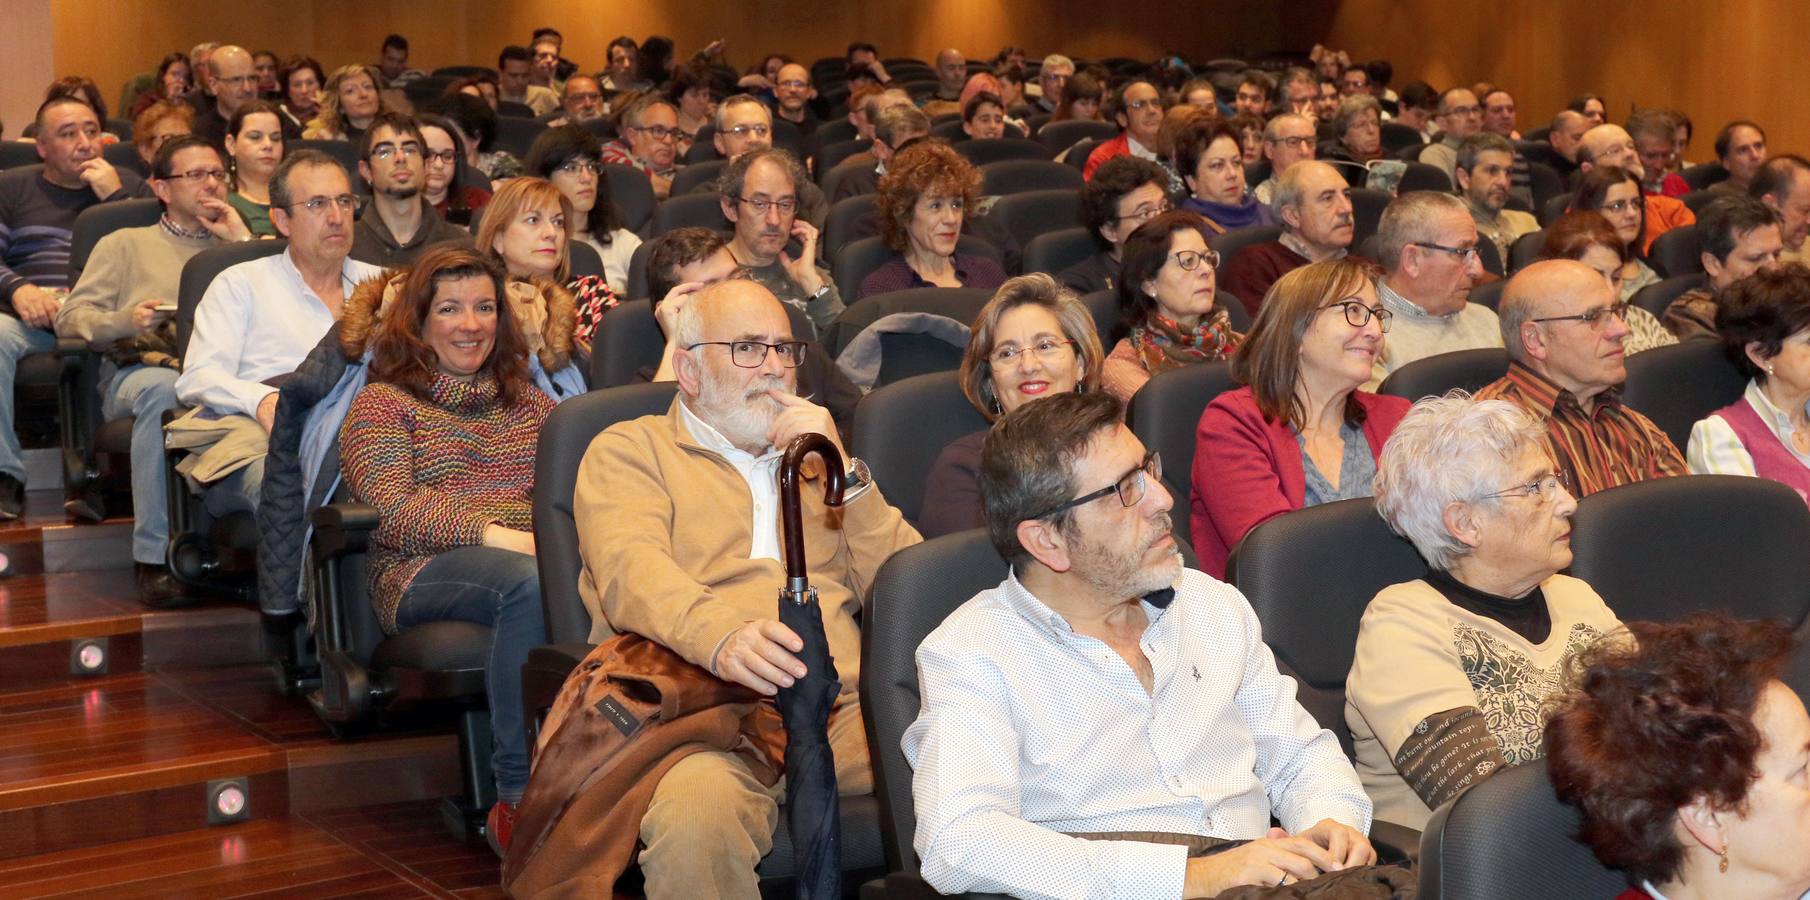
pixel 1059 136
pixel 1013 176
pixel 1509 836
pixel 1525 250
pixel 689 211
pixel 1696 200
pixel 1655 297
pixel 633 195
pixel 1228 244
pixel 850 220
pixel 628 339
pixel 1078 155
pixel 831 155
pixel 995 150
pixel 1676 252
pixel 1367 205
pixel 1165 414
pixel 1054 251
pixel 1433 376
pixel 1397 137
pixel 905 354
pixel 1678 384
pixel 900 429
pixel 698 173
pixel 1703 175
pixel 1554 209
pixel 856 260
pixel 1489 295
pixel 1421 176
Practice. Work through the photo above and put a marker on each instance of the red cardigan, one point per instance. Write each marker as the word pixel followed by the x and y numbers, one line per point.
pixel 1248 470
pixel 1119 146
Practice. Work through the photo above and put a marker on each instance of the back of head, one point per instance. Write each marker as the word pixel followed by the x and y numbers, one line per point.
pixel 1576 232
pixel 895 124
pixel 674 250
pixel 1419 95
pixel 1777 176
pixel 1412 218
pixel 1721 224
pixel 1761 312
pixel 1027 463
pixel 471 114
pixel 556 146
pixel 1652 123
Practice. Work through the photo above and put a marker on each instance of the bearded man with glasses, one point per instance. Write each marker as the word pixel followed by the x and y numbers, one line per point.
pixel 401 223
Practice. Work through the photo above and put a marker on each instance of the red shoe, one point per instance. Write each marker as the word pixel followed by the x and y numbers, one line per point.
pixel 498 825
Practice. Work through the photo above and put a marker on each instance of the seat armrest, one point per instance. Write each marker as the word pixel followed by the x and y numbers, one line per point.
pixel 341 528
pixel 1395 843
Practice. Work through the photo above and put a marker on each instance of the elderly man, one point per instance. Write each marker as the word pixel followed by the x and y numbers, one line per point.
pixel 1125 193
pixel 1191 739
pixel 259 319
pixel 1655 134
pixel 759 194
pixel 1783 183
pixel 1563 327
pixel 582 101
pixel 1428 245
pixel 951 75
pixel 234 77
pixel 127 293
pixel 1738 236
pixel 1287 139
pixel 38 207
pixel 1138 108
pixel 1566 135
pixel 678 524
pixel 1484 169
pixel 1741 148
pixel 1299 89
pixel 1610 145
pixel 1460 116
pixel 792 95
pixel 650 127
pixel 515 81
pixel 895 126
pixel 1313 203
pixel 1051 79
pixel 400 223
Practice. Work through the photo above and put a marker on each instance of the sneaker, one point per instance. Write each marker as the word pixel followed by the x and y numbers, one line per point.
pixel 497 826
pixel 12 498
pixel 158 589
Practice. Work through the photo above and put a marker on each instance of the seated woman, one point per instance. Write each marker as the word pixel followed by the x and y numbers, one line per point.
pixel 1211 163
pixel 1685 756
pixel 1166 294
pixel 924 197
pixel 301 78
pixel 1764 323
pixel 1250 137
pixel 454 197
pixel 1033 339
pixel 254 147
pixel 1299 432
pixel 1082 96
pixel 441 441
pixel 525 230
pixel 1451 670
pixel 1615 193
pixel 1357 137
pixel 173 79
pixel 158 123
pixel 352 98
pixel 1590 238
pixel 569 157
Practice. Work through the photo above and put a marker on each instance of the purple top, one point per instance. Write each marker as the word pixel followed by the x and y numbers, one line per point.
pixel 896 275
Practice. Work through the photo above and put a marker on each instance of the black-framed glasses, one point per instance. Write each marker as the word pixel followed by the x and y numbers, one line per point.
pixel 1357 315
pixel 1130 487
pixel 751 354
pixel 1546 487
pixel 445 157
pixel 1045 349
pixel 198 175
pixel 1292 143
pixel 760 205
pixel 577 166
pixel 1190 260
pixel 1464 254
pixel 657 132
pixel 346 202
pixel 1594 318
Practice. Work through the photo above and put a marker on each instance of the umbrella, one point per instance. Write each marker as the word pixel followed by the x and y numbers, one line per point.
pixel 812 813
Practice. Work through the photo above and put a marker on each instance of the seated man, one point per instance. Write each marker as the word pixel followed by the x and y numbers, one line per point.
pixel 1739 236
pixel 895 126
pixel 744 124
pixel 1741 148
pixel 259 319
pixel 124 306
pixel 1254 93
pixel 1783 183
pixel 1460 116
pixel 792 96
pixel 1563 328
pixel 38 207
pixel 759 193
pixel 1313 202
pixel 400 223
pixel 1052 77
pixel 515 81
pixel 1137 107
pixel 1566 135
pixel 581 101
pixel 1611 145
pixel 649 125
pixel 984 117
pixel 1655 134
pixel 393 62
pixel 678 525
pixel 1126 192
pixel 1287 139
pixel 1106 723
pixel 1428 245
pixel 1485 173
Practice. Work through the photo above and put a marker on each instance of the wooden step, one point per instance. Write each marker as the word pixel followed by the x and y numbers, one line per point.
pixel 46 539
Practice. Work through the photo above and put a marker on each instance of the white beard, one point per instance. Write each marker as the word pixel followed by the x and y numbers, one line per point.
pixel 743 417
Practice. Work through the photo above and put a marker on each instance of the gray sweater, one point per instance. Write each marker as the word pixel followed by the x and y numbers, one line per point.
pixel 127 267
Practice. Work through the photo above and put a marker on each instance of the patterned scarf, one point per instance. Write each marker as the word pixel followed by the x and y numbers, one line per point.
pixel 1162 344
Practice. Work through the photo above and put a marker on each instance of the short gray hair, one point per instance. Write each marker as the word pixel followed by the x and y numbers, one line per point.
pixel 731 101
pixel 1446 450
pixel 1349 110
pixel 895 122
pixel 1480 143
pixel 1519 306
pixel 1057 61
pixel 1273 131
pixel 735 175
pixel 1410 219
pixel 1289 192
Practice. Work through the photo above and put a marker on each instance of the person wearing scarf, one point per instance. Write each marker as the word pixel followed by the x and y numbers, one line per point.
pixel 1167 294
pixel 1211 161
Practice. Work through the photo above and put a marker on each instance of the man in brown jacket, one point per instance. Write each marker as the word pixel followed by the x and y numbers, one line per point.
pixel 678 522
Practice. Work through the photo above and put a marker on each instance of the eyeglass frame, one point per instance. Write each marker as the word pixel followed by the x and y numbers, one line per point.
pixel 1043 349
pixel 761 205
pixel 1139 213
pixel 1209 256
pixel 757 129
pixel 1379 312
pixel 1559 481
pixel 196 175
pixel 654 131
pixel 1466 255
pixel 580 165
pixel 765 348
pixel 1595 317
pixel 351 203
pixel 1151 467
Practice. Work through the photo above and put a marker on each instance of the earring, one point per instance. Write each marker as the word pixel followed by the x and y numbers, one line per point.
pixel 1722 866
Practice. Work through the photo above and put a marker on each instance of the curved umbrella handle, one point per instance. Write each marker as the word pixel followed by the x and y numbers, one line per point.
pixel 791 510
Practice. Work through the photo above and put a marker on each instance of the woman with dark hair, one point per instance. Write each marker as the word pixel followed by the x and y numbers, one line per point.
pixel 654 60
pixel 441 441
pixel 1590 238
pixel 446 186
pixel 1686 757
pixel 1166 295
pixel 1615 192
pixel 254 147
pixel 569 158
pixel 1763 321
pixel 1209 155
pixel 1299 432
pixel 924 198
pixel 301 79
pixel 175 77
pixel 482 85
pixel 1592 108
pixel 689 92
pixel 477 123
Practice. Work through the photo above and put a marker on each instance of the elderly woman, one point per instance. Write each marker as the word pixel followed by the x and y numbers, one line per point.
pixel 158 123
pixel 924 198
pixel 1764 324
pixel 1357 131
pixel 1451 670
pixel 254 147
pixel 526 230
pixel 301 78
pixel 568 157
pixel 1166 295
pixel 352 98
pixel 441 441
pixel 1591 239
pixel 451 196
pixel 1299 432
pixel 1033 339
pixel 1210 158
pixel 1685 756
pixel 174 78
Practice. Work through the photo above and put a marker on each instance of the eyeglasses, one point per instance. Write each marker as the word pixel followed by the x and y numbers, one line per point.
pixel 1135 105
pixel 1047 348
pixel 794 85
pixel 751 354
pixel 1130 487
pixel 1292 143
pixel 760 206
pixel 446 157
pixel 1147 212
pixel 1357 315
pixel 383 152
pixel 1465 254
pixel 1594 318
pixel 1190 260
pixel 657 132
pixel 1465 111
pixel 1546 487
pixel 241 80
pixel 198 175
pixel 756 129
pixel 1619 205
pixel 590 97
pixel 579 166
pixel 346 202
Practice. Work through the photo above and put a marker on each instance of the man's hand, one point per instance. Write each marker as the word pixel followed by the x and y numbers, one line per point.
pixel 509 539
pixel 759 655
pixel 101 177
pixel 800 416
pixel 662 186
pixel 36 306
pixel 803 270
pixel 667 313
pixel 146 316
pixel 221 220
pixel 1274 860
pixel 267 411
pixel 880 70
pixel 1345 844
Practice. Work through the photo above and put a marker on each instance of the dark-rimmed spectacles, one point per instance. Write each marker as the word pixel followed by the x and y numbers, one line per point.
pixel 751 354
pixel 1357 315
pixel 1130 487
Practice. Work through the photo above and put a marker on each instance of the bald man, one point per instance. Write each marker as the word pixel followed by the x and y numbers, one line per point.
pixel 1564 327
pixel 678 523
pixel 234 76
pixel 951 75
pixel 1611 145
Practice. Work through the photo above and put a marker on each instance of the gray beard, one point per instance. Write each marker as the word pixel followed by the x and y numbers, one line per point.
pixel 742 417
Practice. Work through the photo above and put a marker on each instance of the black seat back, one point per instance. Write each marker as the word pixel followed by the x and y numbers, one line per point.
pixel 584 259
pixel 1028 214
pixel 1013 176
pixel 851 219
pixel 992 150
pixel 1655 297
pixel 689 178
pixel 1228 244
pixel 633 195
pixel 199 272
pixel 1510 837
pixel 1165 415
pixel 1059 136
pixel 832 155
pixel 1525 250
pixel 1434 375
pixel 102 219
pixel 858 259
pixel 1678 384
pixel 901 428
pixel 516 135
pixel 1421 176
pixel 1677 252
pixel 344 151
pixel 1554 209
pixel 1489 295
pixel 690 211
pixel 18 154
pixel 1367 205
pixel 1702 175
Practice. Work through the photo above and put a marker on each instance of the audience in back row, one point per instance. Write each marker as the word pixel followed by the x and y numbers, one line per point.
pixel 1313 203
pixel 1125 192
pixel 1763 321
pixel 1738 236
pixel 1589 238
pixel 399 222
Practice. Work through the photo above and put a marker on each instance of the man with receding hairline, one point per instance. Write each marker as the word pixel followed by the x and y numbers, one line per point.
pixel 1428 246
pixel 1460 116
pixel 1783 183
pixel 234 77
pixel 1611 145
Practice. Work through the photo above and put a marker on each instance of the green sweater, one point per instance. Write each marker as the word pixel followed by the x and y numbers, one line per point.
pixel 127 267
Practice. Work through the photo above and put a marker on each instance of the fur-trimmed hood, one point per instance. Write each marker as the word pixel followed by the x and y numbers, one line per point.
pixel 544 311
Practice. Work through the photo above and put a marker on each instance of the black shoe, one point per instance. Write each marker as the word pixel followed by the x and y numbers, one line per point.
pixel 158 589
pixel 12 498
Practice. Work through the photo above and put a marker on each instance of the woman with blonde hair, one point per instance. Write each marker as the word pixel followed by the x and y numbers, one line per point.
pixel 352 98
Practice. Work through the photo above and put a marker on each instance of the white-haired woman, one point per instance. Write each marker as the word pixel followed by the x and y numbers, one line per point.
pixel 1451 670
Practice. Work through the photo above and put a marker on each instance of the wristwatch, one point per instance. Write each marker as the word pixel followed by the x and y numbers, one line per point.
pixel 823 291
pixel 858 480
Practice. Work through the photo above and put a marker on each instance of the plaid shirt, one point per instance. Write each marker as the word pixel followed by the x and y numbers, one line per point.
pixel 1598 450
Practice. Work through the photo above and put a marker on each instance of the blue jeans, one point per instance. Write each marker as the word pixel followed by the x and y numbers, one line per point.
pixel 17 341
pixel 145 392
pixel 501 589
pixel 237 492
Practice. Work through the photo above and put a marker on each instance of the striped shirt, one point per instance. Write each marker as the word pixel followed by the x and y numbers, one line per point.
pixel 36 221
pixel 1607 447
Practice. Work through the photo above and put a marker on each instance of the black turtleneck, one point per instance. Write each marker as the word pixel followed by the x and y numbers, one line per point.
pixel 1526 616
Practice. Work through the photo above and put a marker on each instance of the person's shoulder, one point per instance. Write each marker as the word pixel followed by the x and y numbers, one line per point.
pixel 1405 604
pixel 379 399
pixel 1520 222
pixel 1478 313
pixel 1239 402
pixel 1384 404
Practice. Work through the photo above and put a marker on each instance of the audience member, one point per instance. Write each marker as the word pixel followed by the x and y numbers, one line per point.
pixel 1484 171
pixel 1609 145
pixel 1287 139
pixel 1082 97
pixel 1354 82
pixel 1211 163
pixel 995 789
pixel 1033 340
pixel 1499 114
pixel 896 126
pixel 1460 116
pixel 1655 141
pixel 654 61
pixel 527 230
pixel 544 45
pixel 1138 108
pixel 1738 236
pixel 1741 148
pixel 1783 183
pixel 569 157
pixel 1198 93
pixel 1253 95
pixel 1313 202
pixel 689 94
pixel 984 117
pixel 649 126
pixel 235 84
pixel 951 75
pixel 1418 107
pixel 203 76
pixel 352 100
pixel 624 63
pixel 393 62
pixel 581 101
pixel 744 124
pixel 1167 303
pixel 923 201
pixel 482 85
pixel 1764 323
pixel 1428 247
pixel 1126 192
pixel 1326 102
pixel 1357 129
pixel 1592 239
pixel 1250 139
pixel 759 193
pixel 1052 81
pixel 1452 669
pixel 792 96
pixel 477 122
pixel 1299 90
pixel 302 79
pixel 1566 135
pixel 515 81
pixel 1615 193
pixel 158 123
pixel 1592 108
pixel 563 68
pixel 254 148
pixel 1564 328
pixel 265 63
pixel 448 188
pixel 400 222
pixel 174 78
pixel 1299 432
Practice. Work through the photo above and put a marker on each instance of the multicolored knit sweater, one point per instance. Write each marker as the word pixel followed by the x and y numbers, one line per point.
pixel 439 472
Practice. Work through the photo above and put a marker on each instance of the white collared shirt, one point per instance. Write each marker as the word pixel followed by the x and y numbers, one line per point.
pixel 1139 150
pixel 258 320
pixel 760 472
pixel 1715 449
pixel 1029 732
